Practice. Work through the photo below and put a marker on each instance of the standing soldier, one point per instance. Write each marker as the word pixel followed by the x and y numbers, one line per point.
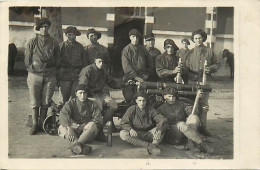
pixel 154 52
pixel 95 77
pixel 72 61
pixel 183 53
pixel 136 63
pixel 196 60
pixel 166 64
pixel 42 59
pixel 95 48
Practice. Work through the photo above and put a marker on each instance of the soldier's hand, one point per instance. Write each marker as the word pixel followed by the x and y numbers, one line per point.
pixel 145 77
pixel 157 135
pixel 207 70
pixel 71 134
pixel 133 133
pixel 176 70
pixel 200 94
pixel 139 79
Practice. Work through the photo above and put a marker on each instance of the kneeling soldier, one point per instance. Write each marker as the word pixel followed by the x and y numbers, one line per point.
pixel 182 122
pixel 143 126
pixel 80 120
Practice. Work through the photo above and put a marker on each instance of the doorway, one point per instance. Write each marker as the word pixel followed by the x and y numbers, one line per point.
pixel 125 20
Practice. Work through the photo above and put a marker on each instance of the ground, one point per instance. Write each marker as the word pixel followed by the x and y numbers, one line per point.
pixel 22 145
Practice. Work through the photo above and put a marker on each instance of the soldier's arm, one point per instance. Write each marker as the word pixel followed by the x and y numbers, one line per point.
pixel 65 115
pixel 160 70
pixel 28 53
pixel 161 121
pixel 126 122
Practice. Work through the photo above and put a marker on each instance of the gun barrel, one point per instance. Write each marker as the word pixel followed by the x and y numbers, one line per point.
pixel 181 93
pixel 179 87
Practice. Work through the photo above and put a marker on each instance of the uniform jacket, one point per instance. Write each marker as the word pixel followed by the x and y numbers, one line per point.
pixel 96 79
pixel 136 61
pixel 93 50
pixel 176 112
pixel 42 56
pixel 75 111
pixel 143 120
pixel 73 59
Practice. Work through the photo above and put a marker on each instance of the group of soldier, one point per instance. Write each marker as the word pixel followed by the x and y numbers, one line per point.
pixel 82 76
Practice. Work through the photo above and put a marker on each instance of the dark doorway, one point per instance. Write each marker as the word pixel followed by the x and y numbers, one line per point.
pixel 124 22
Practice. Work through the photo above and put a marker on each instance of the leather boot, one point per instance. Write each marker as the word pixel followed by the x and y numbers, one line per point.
pixel 203 123
pixel 35 115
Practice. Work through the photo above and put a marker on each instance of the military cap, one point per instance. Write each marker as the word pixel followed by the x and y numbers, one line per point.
pixel 170 91
pixel 149 37
pixel 135 32
pixel 82 87
pixel 141 94
pixel 71 29
pixel 185 41
pixel 101 56
pixel 171 42
pixel 92 30
pixel 41 22
pixel 201 32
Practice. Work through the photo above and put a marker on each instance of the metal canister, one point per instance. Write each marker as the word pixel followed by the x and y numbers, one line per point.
pixel 109 134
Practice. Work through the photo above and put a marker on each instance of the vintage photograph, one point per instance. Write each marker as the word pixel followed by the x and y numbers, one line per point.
pixel 121 82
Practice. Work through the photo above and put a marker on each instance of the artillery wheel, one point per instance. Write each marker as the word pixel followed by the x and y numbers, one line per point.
pixel 48 126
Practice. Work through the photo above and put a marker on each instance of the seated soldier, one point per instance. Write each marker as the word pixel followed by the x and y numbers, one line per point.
pixel 143 126
pixel 166 64
pixel 95 77
pixel 80 120
pixel 182 123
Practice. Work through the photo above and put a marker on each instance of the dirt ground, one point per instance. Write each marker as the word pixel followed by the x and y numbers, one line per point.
pixel 22 145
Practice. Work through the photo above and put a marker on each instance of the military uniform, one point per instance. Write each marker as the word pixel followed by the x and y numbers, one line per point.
pixel 73 59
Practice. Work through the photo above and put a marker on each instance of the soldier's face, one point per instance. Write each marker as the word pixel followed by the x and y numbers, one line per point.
pixel 184 45
pixel 169 98
pixel 169 49
pixel 71 37
pixel 198 39
pixel 134 39
pixel 141 102
pixel 150 43
pixel 93 38
pixel 44 29
pixel 81 95
pixel 99 63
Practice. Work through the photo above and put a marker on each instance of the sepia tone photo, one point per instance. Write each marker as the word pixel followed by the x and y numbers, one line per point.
pixel 142 83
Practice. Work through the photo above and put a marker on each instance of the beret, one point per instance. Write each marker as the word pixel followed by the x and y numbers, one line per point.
pixel 71 29
pixel 201 32
pixel 92 30
pixel 141 94
pixel 171 42
pixel 101 56
pixel 41 22
pixel 171 91
pixel 135 32
pixel 82 87
pixel 149 37
pixel 184 40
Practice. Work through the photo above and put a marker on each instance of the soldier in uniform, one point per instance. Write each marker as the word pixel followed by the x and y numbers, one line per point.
pixel 154 52
pixel 95 48
pixel 42 60
pixel 80 120
pixel 182 124
pixel 166 64
pixel 197 57
pixel 95 77
pixel 143 126
pixel 183 53
pixel 136 63
pixel 73 59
